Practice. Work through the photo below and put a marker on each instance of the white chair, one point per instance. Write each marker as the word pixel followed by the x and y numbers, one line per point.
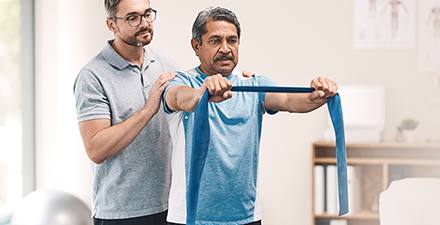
pixel 411 201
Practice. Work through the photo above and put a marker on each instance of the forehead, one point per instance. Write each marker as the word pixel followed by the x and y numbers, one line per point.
pixel 133 6
pixel 220 28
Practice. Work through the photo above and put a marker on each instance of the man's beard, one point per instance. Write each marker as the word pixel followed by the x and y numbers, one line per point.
pixel 134 42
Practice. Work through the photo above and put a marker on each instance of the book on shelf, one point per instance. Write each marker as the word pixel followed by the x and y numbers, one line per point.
pixel 354 189
pixel 319 184
pixel 338 222
pixel 354 184
pixel 332 204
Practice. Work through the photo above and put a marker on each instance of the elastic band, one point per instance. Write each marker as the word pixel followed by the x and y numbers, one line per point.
pixel 201 142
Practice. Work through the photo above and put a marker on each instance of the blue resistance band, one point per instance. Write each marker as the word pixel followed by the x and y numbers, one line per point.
pixel 201 141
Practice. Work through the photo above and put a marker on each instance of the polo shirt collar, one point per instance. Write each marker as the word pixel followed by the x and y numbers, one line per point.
pixel 116 60
pixel 149 57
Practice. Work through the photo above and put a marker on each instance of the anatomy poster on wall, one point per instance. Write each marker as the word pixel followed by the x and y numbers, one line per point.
pixel 429 35
pixel 384 24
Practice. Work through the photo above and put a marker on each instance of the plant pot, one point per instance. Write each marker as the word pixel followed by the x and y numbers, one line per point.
pixel 409 135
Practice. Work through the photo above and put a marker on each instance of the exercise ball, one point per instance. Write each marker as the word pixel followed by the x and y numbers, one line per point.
pixel 45 207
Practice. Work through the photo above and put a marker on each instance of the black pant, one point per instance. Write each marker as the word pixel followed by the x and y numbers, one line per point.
pixel 253 223
pixel 156 219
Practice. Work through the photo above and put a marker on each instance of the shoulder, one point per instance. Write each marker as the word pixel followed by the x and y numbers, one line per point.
pixel 184 77
pixel 256 80
pixel 157 54
pixel 89 74
pixel 162 57
pixel 96 64
pixel 264 80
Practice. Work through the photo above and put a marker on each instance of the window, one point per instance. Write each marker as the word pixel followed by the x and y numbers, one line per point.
pixel 16 102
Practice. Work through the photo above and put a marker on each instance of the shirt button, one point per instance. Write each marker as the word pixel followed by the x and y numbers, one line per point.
pixel 186 117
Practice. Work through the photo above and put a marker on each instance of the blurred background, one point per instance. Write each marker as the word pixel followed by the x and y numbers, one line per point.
pixel 44 44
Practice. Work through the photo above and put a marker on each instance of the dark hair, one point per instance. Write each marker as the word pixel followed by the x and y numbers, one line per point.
pixel 111 7
pixel 217 13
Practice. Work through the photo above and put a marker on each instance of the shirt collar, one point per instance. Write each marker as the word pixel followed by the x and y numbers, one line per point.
pixel 116 60
pixel 203 76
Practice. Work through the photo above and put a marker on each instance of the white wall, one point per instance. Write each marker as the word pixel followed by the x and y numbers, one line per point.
pixel 68 34
pixel 289 41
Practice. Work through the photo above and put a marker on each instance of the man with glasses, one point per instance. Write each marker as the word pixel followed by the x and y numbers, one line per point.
pixel 124 130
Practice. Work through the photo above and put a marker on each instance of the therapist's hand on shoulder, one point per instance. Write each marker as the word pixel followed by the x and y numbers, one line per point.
pixel 248 74
pixel 153 102
pixel 219 88
pixel 324 88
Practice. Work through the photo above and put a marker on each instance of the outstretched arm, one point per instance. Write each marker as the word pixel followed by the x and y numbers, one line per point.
pixel 302 102
pixel 184 98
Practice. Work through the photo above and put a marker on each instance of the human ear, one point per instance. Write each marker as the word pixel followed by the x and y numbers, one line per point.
pixel 195 45
pixel 111 25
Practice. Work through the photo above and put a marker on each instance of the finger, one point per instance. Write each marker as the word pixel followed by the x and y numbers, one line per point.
pixel 166 77
pixel 227 94
pixel 222 84
pixel 171 76
pixel 316 84
pixel 225 84
pixel 217 86
pixel 332 88
pixel 335 88
pixel 226 88
pixel 247 74
pixel 162 88
pixel 207 84
pixel 314 96
pixel 320 94
pixel 324 83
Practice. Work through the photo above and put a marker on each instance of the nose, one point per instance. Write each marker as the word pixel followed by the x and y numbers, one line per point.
pixel 224 47
pixel 144 21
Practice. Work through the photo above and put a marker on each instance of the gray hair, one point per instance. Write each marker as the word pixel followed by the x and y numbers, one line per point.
pixel 216 14
pixel 111 7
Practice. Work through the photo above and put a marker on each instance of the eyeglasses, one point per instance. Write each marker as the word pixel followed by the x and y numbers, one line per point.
pixel 136 20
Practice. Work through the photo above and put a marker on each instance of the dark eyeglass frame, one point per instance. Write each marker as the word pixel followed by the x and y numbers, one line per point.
pixel 141 15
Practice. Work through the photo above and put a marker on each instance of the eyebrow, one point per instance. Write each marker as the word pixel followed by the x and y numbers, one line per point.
pixel 214 37
pixel 218 36
pixel 136 13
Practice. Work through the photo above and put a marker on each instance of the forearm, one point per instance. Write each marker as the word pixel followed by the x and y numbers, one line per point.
pixel 294 103
pixel 103 141
pixel 183 98
pixel 300 103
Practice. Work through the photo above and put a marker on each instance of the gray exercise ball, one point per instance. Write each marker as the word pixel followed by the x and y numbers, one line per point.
pixel 51 208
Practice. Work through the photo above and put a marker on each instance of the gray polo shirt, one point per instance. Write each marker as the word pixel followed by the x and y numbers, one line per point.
pixel 136 181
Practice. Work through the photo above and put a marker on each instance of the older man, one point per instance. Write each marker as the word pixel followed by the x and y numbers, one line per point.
pixel 228 187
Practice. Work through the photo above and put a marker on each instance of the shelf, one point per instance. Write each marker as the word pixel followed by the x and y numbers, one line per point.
pixel 361 214
pixel 378 165
pixel 380 161
pixel 381 153
pixel 392 145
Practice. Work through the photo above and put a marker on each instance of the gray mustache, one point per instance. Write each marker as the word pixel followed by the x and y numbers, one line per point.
pixel 141 31
pixel 230 57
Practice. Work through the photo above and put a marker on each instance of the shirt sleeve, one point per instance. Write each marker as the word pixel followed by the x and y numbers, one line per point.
pixel 91 100
pixel 265 81
pixel 181 79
